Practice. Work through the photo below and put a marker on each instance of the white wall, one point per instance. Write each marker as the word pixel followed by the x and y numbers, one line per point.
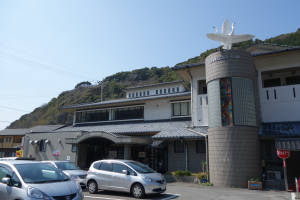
pixel 157 109
pixel 199 102
pixel 284 108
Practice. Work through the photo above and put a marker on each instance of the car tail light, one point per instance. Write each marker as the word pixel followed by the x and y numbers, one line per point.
pixel 89 171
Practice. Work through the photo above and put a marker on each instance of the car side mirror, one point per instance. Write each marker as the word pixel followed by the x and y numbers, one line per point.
pixel 124 171
pixel 6 180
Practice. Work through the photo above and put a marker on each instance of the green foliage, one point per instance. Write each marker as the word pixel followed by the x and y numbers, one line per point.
pixel 207 184
pixel 202 175
pixel 181 173
pixel 256 179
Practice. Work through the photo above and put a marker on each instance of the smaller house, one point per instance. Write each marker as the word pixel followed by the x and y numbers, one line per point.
pixel 11 140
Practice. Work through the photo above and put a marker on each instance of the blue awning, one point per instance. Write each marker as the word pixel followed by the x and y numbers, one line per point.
pixel 285 129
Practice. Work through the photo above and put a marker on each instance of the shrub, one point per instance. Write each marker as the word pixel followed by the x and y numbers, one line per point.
pixel 202 175
pixel 254 179
pixel 182 173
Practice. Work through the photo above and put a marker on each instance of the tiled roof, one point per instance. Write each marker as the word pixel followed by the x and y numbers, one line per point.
pixel 45 128
pixel 285 129
pixel 17 131
pixel 286 49
pixel 160 130
pixel 103 103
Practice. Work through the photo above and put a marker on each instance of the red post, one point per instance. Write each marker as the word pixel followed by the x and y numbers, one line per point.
pixel 285 175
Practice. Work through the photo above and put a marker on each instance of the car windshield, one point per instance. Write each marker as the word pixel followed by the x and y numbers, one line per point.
pixel 66 166
pixel 139 167
pixel 40 173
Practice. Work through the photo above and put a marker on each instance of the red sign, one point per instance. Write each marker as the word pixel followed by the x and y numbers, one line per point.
pixel 283 154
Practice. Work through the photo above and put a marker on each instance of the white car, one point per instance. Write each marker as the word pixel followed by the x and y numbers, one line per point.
pixel 71 170
pixel 126 176
pixel 29 180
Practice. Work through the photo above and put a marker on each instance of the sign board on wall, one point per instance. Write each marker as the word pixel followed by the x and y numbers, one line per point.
pixel 55 153
pixel 68 158
pixel 283 154
pixel 19 154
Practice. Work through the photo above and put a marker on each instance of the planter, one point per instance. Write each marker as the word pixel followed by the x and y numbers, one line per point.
pixel 254 185
pixel 186 179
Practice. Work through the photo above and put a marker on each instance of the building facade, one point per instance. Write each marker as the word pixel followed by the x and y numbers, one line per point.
pixel 152 125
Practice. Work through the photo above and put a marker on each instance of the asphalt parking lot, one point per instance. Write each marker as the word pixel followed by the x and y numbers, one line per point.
pixel 197 192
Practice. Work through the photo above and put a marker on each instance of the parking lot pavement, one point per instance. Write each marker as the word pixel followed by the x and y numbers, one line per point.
pixel 106 195
pixel 197 192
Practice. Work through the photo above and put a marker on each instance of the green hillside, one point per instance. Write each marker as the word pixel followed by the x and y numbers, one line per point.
pixel 114 85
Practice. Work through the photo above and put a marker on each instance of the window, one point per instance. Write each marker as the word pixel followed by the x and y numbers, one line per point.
pixel 173 90
pixel 1 140
pixel 118 168
pixel 156 91
pixel 200 146
pixel 165 91
pixel 148 93
pixel 181 109
pixel 292 80
pixel 128 113
pixel 136 94
pixel 132 95
pixel 202 89
pixel 106 166
pixel 4 172
pixel 97 165
pixel 272 82
pixel 15 181
pixel 177 89
pixel 160 91
pixel 144 93
pixel 8 139
pixel 92 116
pixel 140 94
pixel 42 145
pixel 129 95
pixel 169 90
pixel 17 139
pixel 74 148
pixel 178 147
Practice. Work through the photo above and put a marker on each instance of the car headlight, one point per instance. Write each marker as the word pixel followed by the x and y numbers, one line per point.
pixel 148 179
pixel 73 177
pixel 37 194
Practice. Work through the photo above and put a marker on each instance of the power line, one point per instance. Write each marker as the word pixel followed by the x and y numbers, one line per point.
pixel 15 109
pixel 4 121
pixel 33 62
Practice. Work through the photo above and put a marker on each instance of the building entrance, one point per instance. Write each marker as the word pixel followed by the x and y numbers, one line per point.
pixel 93 149
pixel 293 169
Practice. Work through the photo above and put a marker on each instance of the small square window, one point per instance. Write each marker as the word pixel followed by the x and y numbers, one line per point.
pixel 177 89
pixel 169 90
pixel 74 148
pixel 42 145
pixel 144 93
pixel 165 91
pixel 173 89
pixel 156 91
pixel 136 94
pixel 160 91
pixel 129 95
pixel 148 93
pixel 140 94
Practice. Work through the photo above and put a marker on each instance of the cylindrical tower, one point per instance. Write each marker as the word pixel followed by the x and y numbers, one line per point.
pixel 232 118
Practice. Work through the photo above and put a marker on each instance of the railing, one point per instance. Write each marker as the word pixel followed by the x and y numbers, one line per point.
pixel 281 93
pixel 280 103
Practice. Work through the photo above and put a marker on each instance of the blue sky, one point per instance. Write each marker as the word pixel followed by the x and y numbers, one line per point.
pixel 47 47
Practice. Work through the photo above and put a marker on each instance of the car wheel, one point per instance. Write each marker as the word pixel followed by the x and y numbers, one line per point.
pixel 92 187
pixel 138 191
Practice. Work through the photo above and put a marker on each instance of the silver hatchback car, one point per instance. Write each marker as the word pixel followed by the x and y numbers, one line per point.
pixel 71 170
pixel 126 176
pixel 31 180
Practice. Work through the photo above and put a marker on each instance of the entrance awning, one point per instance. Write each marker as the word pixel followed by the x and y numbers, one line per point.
pixel 292 144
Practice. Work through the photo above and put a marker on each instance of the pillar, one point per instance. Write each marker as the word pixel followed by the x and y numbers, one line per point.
pixel 232 118
pixel 127 152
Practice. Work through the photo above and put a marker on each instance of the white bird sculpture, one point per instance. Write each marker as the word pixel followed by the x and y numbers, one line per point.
pixel 227 37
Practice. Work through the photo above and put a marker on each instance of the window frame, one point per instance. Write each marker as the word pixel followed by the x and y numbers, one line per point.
pixel 178 149
pixel 103 163
pixel 180 108
pixel 200 146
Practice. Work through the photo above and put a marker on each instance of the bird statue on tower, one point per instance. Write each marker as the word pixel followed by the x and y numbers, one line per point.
pixel 227 36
